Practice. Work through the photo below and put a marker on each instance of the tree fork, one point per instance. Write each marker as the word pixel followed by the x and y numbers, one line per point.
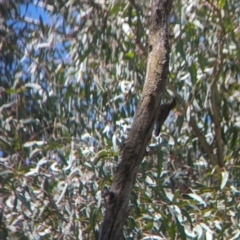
pixel 134 148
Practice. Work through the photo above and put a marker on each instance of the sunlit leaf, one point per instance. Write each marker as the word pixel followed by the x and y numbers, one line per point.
pixel 197 198
pixel 225 176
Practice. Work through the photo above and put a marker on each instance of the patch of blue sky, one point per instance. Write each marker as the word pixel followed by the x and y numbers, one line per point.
pixel 77 16
pixel 32 13
pixel 36 12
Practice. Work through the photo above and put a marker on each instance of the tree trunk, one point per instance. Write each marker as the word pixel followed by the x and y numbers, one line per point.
pixel 148 111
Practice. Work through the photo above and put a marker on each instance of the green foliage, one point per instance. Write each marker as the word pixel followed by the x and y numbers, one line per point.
pixel 71 76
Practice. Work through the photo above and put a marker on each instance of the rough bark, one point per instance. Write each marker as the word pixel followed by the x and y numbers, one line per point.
pixel 134 148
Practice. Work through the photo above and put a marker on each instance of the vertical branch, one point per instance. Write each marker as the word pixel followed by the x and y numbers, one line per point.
pixel 214 109
pixel 217 126
pixel 134 148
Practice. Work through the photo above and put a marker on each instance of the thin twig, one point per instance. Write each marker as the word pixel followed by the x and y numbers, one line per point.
pixel 203 141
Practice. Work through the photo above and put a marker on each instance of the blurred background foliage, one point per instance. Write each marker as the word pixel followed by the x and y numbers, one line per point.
pixel 71 74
